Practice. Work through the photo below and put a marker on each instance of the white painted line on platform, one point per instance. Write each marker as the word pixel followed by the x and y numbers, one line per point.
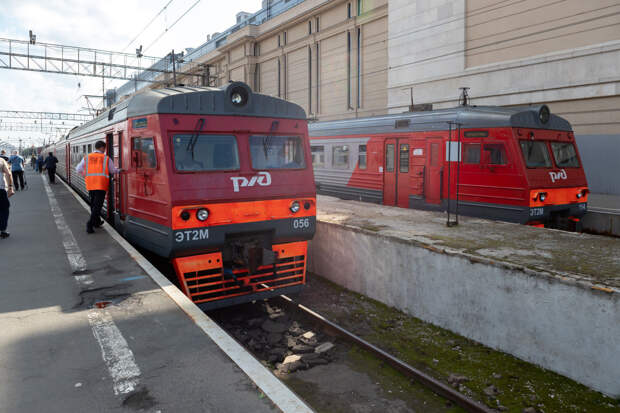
pixel 116 354
pixel 115 351
pixel 280 395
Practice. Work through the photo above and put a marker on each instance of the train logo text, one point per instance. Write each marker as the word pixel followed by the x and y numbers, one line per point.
pixel 262 179
pixel 557 175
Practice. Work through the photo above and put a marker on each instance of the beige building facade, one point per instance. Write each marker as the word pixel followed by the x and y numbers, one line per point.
pixel 330 57
pixel 345 59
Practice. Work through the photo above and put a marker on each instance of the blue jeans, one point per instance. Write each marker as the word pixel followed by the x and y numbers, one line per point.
pixel 4 210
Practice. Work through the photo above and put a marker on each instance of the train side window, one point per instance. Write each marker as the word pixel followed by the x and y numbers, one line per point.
pixel 318 156
pixel 471 153
pixel 389 157
pixel 143 153
pixel 340 157
pixel 404 158
pixel 90 148
pixel 495 154
pixel 362 157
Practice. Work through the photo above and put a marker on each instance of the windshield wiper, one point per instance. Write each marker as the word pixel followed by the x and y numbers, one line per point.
pixel 268 140
pixel 192 142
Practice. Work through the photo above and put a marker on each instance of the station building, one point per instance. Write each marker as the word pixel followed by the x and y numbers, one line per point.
pixel 344 59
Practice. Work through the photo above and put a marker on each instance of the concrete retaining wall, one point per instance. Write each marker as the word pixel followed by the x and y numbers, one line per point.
pixel 564 326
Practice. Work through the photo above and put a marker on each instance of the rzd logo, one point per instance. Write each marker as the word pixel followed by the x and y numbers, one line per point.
pixel 557 175
pixel 262 179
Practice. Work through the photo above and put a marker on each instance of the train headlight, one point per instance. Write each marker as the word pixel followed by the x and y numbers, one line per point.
pixel 579 194
pixel 202 214
pixel 295 207
pixel 239 95
pixel 542 196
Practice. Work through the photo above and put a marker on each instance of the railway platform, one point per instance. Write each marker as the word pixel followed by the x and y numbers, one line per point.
pixel 546 296
pixel 88 325
pixel 603 215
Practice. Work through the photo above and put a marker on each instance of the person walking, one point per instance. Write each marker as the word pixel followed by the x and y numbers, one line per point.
pixel 6 191
pixel 50 165
pixel 17 169
pixel 40 162
pixel 3 155
pixel 33 162
pixel 96 169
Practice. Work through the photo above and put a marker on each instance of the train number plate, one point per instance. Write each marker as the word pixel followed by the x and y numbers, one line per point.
pixel 191 235
pixel 537 212
pixel 301 223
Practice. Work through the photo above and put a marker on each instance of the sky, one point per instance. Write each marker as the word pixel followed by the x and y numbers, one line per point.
pixel 107 25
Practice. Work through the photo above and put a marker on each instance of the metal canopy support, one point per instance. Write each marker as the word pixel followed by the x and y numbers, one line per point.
pixel 21 114
pixel 54 58
pixel 34 127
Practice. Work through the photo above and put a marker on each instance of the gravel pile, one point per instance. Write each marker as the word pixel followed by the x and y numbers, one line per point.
pixel 279 341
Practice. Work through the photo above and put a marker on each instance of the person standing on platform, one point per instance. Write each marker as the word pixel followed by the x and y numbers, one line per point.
pixel 50 165
pixel 6 191
pixel 17 169
pixel 3 155
pixel 96 169
pixel 33 162
pixel 40 162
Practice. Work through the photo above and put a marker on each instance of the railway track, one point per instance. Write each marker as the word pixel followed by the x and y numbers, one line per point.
pixel 304 315
pixel 434 385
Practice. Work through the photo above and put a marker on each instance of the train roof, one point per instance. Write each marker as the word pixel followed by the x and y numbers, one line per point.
pixel 466 117
pixel 185 100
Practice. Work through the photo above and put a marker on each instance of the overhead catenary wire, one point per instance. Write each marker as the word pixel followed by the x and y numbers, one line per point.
pixel 172 25
pixel 148 24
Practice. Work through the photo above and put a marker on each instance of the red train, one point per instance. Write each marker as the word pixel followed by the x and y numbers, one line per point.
pixel 217 180
pixel 517 164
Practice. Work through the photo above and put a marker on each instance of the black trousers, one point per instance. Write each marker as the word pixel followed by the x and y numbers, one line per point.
pixel 18 179
pixel 51 172
pixel 96 203
pixel 4 210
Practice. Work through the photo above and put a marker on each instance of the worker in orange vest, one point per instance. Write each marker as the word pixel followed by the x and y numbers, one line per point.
pixel 96 169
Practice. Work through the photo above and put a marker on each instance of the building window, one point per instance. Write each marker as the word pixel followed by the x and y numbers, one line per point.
pixel 362 157
pixel 284 37
pixel 310 79
pixel 348 10
pixel 359 7
pixel 257 77
pixel 256 49
pixel 318 77
pixel 318 156
pixel 279 41
pixel 359 67
pixel 340 157
pixel 349 70
pixel 310 27
pixel 279 80
pixel 316 25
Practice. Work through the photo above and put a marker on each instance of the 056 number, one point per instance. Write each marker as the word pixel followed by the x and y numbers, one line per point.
pixel 301 223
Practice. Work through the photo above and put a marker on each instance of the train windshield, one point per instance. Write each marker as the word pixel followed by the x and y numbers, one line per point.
pixel 205 152
pixel 564 154
pixel 277 152
pixel 536 154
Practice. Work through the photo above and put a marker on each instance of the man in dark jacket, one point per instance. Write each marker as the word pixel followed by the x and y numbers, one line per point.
pixel 50 165
pixel 40 162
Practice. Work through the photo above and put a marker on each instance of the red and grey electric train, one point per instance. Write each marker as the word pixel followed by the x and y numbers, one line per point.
pixel 217 180
pixel 517 164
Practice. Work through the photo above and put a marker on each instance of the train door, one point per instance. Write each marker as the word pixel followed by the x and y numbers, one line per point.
pixel 109 141
pixel 390 177
pixel 119 192
pixel 396 174
pixel 433 170
pixel 68 165
pixel 402 189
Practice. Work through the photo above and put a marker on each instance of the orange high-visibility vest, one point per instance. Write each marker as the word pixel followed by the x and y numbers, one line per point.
pixel 97 173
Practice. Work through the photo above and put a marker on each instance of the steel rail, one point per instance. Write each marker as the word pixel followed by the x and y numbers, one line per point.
pixel 435 385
